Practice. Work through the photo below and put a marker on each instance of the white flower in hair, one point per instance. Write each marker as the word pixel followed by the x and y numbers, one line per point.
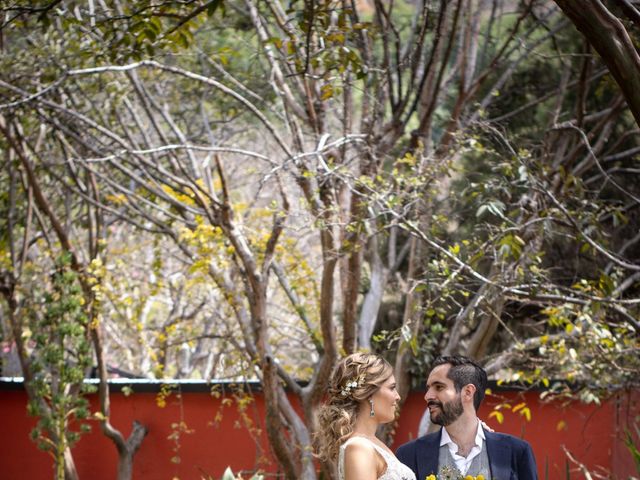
pixel 352 385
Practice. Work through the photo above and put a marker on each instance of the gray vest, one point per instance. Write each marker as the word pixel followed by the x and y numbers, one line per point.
pixel 479 465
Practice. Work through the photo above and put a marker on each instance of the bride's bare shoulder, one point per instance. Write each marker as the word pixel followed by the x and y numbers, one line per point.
pixel 357 443
pixel 361 460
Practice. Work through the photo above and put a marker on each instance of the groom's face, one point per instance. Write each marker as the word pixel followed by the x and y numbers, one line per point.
pixel 444 403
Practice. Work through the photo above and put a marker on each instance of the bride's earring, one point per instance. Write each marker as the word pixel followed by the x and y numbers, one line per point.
pixel 371 413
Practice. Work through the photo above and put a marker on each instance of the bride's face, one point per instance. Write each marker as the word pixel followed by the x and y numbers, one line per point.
pixel 385 401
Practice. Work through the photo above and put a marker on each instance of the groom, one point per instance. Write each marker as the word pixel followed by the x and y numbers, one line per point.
pixel 455 389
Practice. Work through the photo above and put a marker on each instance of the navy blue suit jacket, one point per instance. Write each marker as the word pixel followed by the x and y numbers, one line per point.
pixel 510 458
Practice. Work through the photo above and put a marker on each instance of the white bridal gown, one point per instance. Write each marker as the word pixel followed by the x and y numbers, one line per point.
pixel 396 470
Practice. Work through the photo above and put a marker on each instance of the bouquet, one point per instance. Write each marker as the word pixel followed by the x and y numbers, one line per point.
pixel 460 477
pixel 452 473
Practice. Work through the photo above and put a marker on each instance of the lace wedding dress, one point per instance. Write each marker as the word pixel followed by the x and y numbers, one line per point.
pixel 396 470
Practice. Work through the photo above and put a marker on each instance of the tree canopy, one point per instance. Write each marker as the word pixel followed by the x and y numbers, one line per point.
pixel 247 189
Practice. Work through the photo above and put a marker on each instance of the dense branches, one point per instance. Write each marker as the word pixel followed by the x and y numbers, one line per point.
pixel 266 192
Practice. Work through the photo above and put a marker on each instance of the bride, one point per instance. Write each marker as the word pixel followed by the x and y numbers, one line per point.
pixel 362 395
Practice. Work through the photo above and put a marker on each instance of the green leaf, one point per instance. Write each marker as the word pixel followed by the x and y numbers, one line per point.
pixel 213 6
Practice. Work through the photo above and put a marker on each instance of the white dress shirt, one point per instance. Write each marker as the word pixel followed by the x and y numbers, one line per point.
pixel 463 463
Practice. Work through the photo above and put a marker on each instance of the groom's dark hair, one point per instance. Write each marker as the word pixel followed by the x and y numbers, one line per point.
pixel 464 371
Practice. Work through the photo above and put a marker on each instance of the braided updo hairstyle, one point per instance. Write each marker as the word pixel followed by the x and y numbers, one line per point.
pixel 355 378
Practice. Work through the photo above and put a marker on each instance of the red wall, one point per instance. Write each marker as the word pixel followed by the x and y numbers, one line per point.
pixel 205 446
pixel 591 434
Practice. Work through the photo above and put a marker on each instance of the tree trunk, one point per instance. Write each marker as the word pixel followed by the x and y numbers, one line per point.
pixel 373 298
pixel 125 455
pixel 70 472
pixel 608 36
pixel 412 319
pixel 126 448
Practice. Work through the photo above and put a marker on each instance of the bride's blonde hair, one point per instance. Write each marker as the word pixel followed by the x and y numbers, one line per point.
pixel 355 378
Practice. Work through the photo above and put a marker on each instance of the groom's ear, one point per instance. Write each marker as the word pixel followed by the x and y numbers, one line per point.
pixel 468 391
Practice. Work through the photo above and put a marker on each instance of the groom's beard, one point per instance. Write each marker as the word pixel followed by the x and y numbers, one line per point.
pixel 448 412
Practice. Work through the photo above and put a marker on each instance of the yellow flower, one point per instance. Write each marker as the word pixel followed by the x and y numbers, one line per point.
pixel 458 476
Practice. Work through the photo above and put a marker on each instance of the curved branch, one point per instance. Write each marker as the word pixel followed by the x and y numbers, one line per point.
pixel 608 36
pixel 194 76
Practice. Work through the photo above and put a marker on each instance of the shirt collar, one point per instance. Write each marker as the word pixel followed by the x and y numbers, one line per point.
pixel 446 439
